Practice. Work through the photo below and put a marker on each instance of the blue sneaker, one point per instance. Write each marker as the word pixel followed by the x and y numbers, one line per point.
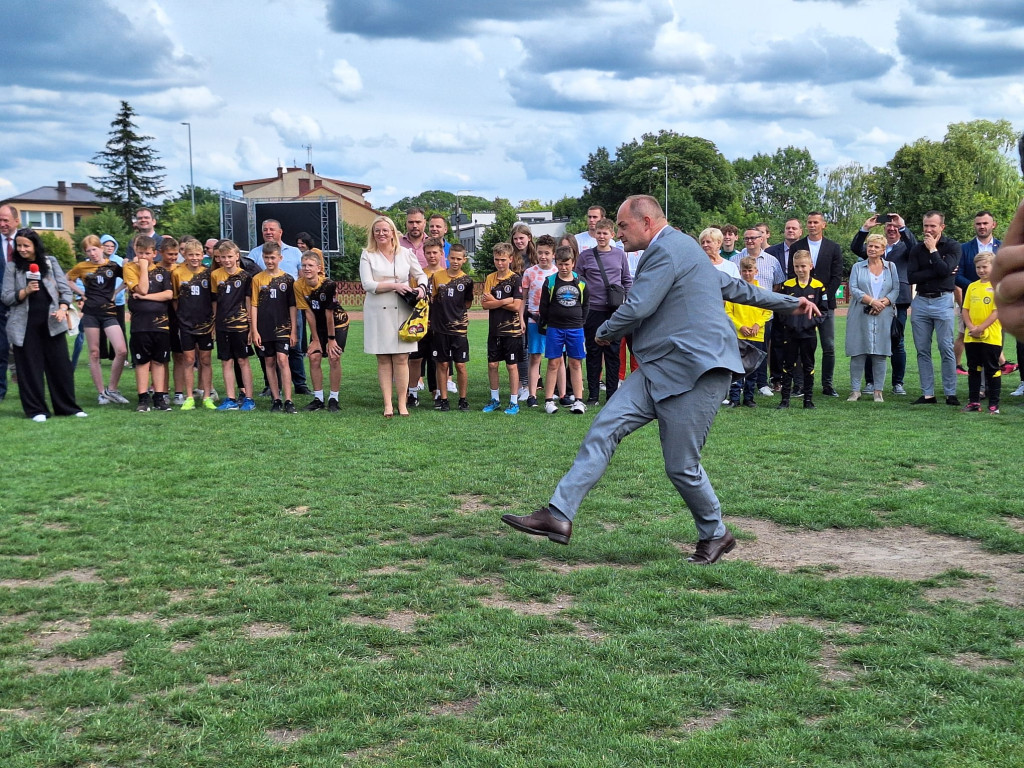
pixel 512 409
pixel 248 405
pixel 228 404
pixel 492 405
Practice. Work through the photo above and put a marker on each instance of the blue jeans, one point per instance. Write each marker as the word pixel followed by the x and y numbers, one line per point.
pixel 928 317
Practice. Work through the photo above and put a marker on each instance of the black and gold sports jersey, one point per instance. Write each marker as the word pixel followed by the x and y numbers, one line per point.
pixel 230 293
pixel 504 321
pixel 273 296
pixel 195 300
pixel 450 302
pixel 148 315
pixel 99 281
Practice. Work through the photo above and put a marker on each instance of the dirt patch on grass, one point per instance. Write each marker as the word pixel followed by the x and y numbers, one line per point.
pixel 409 566
pixel 54 633
pixel 27 713
pixel 400 621
pixel 913 485
pixel 184 595
pixel 181 646
pixel 300 511
pixel 894 553
pixel 454 708
pixel 831 667
pixel 77 575
pixel 59 527
pixel 977 661
pixel 14 618
pixel 215 680
pixel 772 622
pixel 1016 523
pixel 706 721
pixel 19 558
pixel 558 604
pixel 53 665
pixel 471 504
pixel 265 631
pixel 286 735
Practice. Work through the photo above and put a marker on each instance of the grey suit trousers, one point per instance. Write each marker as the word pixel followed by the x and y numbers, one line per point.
pixel 683 424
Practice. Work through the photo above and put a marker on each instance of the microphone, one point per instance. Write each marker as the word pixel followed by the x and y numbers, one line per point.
pixel 33 271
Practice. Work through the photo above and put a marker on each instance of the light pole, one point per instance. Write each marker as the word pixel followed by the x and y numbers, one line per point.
pixel 192 179
pixel 665 158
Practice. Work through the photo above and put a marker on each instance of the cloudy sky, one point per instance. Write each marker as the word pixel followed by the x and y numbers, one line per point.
pixel 498 98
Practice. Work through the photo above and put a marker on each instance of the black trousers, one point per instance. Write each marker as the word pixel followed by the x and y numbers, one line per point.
pixel 597 353
pixel 46 356
pixel 798 356
pixel 983 362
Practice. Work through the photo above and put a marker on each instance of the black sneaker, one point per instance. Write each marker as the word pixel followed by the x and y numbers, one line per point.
pixel 922 400
pixel 302 389
pixel 952 400
pixel 829 392
pixel 144 404
pixel 316 405
pixel 567 400
pixel 749 404
pixel 783 404
pixel 161 403
pixel 592 402
pixel 277 407
pixel 809 404
pixel 412 401
pixel 463 404
pixel 445 406
pixel 437 403
pixel 265 392
pixel 332 405
pixel 531 402
pixel 289 406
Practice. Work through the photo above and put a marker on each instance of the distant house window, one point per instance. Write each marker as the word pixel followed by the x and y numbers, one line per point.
pixel 43 219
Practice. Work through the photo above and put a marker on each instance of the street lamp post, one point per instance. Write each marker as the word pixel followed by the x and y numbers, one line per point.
pixel 665 158
pixel 191 178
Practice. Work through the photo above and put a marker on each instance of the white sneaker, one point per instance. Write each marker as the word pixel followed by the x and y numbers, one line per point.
pixel 214 396
pixel 767 391
pixel 452 386
pixel 1019 391
pixel 419 387
pixel 523 393
pixel 102 399
pixel 115 396
pixel 179 399
pixel 81 414
pixel 550 406
pixel 726 401
pixel 39 418
pixel 578 407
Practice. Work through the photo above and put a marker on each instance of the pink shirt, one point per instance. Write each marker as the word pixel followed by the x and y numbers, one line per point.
pixel 533 281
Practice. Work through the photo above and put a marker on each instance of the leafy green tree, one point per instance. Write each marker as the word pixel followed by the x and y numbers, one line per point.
pixel 499 232
pixel 132 173
pixel 988 146
pixel 178 220
pixel 533 204
pixel 107 222
pixel 779 185
pixel 436 201
pixel 846 197
pixel 346 267
pixel 59 248
pixel 568 208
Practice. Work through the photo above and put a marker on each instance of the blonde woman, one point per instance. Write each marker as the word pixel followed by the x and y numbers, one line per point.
pixel 874 286
pixel 388 272
pixel 711 241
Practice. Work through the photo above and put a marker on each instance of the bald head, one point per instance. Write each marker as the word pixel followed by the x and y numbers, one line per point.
pixel 639 219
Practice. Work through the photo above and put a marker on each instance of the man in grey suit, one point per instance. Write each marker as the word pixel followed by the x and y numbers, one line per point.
pixel 687 350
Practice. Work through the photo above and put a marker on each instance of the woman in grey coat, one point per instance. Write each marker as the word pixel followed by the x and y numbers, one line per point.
pixel 874 286
pixel 38 295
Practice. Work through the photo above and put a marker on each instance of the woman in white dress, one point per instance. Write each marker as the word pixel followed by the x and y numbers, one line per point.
pixel 386 271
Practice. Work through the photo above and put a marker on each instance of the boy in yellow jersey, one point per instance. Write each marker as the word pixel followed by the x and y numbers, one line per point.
pixel 983 338
pixel 231 285
pixel 451 293
pixel 750 322
pixel 502 298
pixel 272 324
pixel 314 295
pixel 167 257
pixel 193 303
pixel 799 332
pixel 149 296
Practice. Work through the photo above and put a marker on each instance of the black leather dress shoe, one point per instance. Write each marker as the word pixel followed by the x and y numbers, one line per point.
pixel 541 523
pixel 709 550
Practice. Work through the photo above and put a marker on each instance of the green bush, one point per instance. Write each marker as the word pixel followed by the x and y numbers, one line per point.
pixel 59 248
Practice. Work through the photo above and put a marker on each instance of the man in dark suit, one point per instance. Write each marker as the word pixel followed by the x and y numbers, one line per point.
pixel 898 242
pixel 687 349
pixel 791 232
pixel 827 258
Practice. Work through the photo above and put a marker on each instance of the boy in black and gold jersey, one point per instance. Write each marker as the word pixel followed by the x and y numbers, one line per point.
pixel 149 296
pixel 99 315
pixel 193 303
pixel 167 257
pixel 230 286
pixel 503 297
pixel 272 323
pixel 799 339
pixel 314 295
pixel 451 297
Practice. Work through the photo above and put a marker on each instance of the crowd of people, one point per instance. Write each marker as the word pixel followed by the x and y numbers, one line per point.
pixel 545 299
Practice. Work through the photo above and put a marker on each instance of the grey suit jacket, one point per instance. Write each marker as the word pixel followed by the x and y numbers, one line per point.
pixel 55 284
pixel 676 314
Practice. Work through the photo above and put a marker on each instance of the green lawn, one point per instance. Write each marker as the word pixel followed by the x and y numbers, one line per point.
pixel 228 589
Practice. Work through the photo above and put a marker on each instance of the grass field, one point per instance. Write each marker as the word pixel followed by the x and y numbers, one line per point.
pixel 228 589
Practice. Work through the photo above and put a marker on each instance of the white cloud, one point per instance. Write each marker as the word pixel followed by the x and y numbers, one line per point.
pixel 251 157
pixel 463 140
pixel 876 137
pixel 5 183
pixel 345 80
pixel 293 129
pixel 175 103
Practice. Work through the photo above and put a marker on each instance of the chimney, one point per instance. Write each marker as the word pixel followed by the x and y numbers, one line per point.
pixel 280 171
pixel 303 186
pixel 309 168
pixel 62 188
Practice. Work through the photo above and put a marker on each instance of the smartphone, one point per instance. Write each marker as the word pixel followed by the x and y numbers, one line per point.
pixel 883 218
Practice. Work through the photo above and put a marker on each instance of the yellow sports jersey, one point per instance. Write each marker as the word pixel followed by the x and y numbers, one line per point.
pixel 148 315
pixel 979 301
pixel 746 315
pixel 272 298
pixel 230 292
pixel 195 300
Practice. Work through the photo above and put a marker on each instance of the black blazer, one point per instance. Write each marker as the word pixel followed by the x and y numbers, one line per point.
pixel 829 269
